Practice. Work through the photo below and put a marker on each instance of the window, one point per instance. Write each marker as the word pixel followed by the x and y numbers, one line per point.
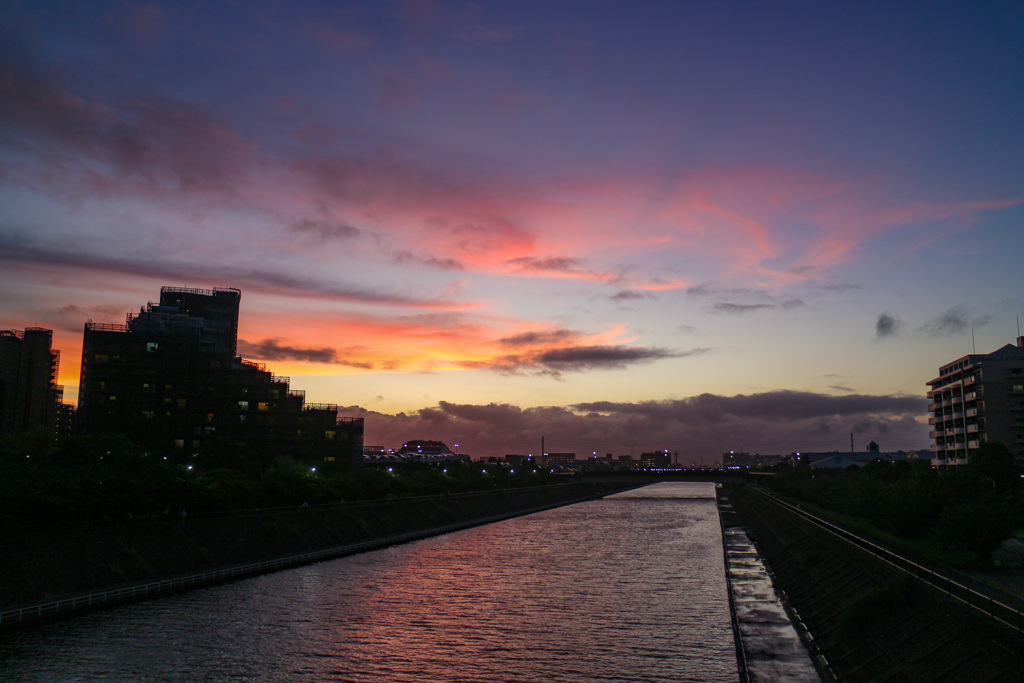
pixel 101 358
pixel 263 405
pixel 182 403
pixel 328 434
pixel 152 346
pixel 244 405
pixel 148 414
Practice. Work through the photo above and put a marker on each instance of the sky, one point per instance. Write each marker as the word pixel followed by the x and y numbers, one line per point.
pixel 623 226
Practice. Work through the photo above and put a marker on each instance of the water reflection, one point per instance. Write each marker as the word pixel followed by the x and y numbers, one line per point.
pixel 629 588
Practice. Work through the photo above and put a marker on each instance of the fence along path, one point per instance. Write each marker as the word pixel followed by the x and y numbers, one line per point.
pixel 983 599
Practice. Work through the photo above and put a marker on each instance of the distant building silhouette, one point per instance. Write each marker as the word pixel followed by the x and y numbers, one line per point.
pixel 170 380
pixel 978 398
pixel 745 461
pixel 655 460
pixel 30 398
pixel 429 451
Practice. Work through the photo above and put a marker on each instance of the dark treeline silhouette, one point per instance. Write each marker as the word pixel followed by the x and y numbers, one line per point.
pixel 108 478
pixel 956 516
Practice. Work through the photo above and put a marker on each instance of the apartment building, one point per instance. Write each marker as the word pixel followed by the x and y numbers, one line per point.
pixel 978 398
pixel 169 379
pixel 30 398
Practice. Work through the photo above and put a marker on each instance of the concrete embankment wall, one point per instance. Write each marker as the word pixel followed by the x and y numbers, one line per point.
pixel 870 621
pixel 44 566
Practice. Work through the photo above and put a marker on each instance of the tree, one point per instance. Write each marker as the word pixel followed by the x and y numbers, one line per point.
pixel 993 461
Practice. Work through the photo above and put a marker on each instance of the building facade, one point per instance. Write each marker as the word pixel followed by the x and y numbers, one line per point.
pixel 169 379
pixel 975 399
pixel 30 398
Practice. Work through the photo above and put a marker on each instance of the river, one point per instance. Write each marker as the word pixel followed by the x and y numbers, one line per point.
pixel 628 588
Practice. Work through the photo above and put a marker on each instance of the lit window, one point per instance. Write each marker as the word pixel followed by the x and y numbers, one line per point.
pixel 152 346
pixel 148 414
pixel 181 403
pixel 101 358
pixel 329 434
pixel 244 405
pixel 263 405
pixel 209 417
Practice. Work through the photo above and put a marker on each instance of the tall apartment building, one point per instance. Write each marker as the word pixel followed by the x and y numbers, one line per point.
pixel 30 398
pixel 169 379
pixel 978 398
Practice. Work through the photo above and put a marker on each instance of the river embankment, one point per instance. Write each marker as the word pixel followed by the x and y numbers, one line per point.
pixel 867 619
pixel 47 566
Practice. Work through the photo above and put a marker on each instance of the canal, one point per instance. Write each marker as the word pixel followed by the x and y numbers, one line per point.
pixel 628 588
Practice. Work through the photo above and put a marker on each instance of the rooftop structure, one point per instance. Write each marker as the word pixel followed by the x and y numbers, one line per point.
pixel 978 398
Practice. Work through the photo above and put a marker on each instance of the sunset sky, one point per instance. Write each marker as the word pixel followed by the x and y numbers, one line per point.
pixel 698 226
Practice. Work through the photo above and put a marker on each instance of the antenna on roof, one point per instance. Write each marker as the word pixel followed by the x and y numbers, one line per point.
pixel 973 346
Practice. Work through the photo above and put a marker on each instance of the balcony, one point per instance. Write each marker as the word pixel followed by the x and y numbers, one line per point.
pixel 974 412
pixel 971 396
pixel 972 429
pixel 937 434
pixel 973 444
pixel 970 380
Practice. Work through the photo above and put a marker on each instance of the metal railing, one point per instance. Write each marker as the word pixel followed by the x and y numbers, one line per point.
pixel 953 586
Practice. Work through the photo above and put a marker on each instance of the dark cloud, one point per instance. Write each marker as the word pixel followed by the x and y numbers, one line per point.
pixel 578 358
pixel 840 387
pixel 527 339
pixel 955 320
pixel 700 428
pixel 557 264
pixel 326 230
pixel 631 295
pixel 886 326
pixel 787 405
pixel 402 256
pixel 16 250
pixel 738 309
pixel 739 301
pixel 555 362
pixel 273 350
pixel 144 146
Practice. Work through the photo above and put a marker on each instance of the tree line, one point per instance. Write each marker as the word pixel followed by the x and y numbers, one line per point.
pixel 956 516
pixel 109 478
